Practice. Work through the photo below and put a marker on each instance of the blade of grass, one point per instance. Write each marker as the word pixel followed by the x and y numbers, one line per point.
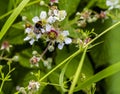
pixel 78 71
pixel 61 78
pixel 76 53
pixel 59 65
pixel 8 13
pixel 12 18
pixel 100 75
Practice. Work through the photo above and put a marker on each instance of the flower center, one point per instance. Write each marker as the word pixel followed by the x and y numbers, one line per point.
pixel 52 34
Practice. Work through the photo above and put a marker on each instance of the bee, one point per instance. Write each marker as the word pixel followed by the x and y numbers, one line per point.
pixel 37 27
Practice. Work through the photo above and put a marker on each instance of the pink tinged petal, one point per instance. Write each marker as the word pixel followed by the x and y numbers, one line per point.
pixel 35 19
pixel 68 40
pixel 31 41
pixel 60 46
pixel 27 38
pixel 43 15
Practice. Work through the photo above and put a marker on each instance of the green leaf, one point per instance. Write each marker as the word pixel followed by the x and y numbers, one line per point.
pixel 31 11
pixel 14 35
pixel 101 75
pixel 19 25
pixel 69 6
pixel 101 4
pixel 24 58
pixel 12 18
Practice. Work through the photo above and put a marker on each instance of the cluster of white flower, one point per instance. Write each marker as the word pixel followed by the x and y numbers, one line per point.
pixel 113 4
pixel 45 26
pixel 33 86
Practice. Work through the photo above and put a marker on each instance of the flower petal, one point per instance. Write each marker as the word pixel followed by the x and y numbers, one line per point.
pixel 65 33
pixel 35 19
pixel 60 46
pixel 27 38
pixel 51 20
pixel 43 15
pixel 68 40
pixel 48 27
pixel 27 30
pixel 31 41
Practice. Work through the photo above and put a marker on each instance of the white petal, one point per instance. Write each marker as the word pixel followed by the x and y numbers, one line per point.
pixel 38 36
pixel 35 19
pixel 112 2
pixel 55 11
pixel 51 20
pixel 50 12
pixel 62 14
pixel 31 41
pixel 60 46
pixel 48 27
pixel 27 38
pixel 27 30
pixel 65 33
pixel 68 40
pixel 43 15
pixel 42 30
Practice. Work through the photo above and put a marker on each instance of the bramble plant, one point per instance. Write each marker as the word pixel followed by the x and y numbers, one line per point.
pixel 59 46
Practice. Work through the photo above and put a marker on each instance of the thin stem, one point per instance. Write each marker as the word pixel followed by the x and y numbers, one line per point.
pixel 50 84
pixel 78 71
pixel 73 55
pixel 105 31
pixel 3 80
pixel 4 58
pixel 45 50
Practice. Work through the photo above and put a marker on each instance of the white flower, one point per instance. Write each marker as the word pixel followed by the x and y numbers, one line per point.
pixel 34 86
pixel 63 39
pixel 43 16
pixel 31 36
pixel 60 15
pixel 112 4
pixel 34 61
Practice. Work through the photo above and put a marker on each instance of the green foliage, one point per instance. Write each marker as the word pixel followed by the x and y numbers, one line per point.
pixel 78 67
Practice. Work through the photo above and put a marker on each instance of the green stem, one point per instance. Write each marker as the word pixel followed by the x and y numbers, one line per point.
pixel 105 31
pixel 76 77
pixel 3 81
pixel 73 55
